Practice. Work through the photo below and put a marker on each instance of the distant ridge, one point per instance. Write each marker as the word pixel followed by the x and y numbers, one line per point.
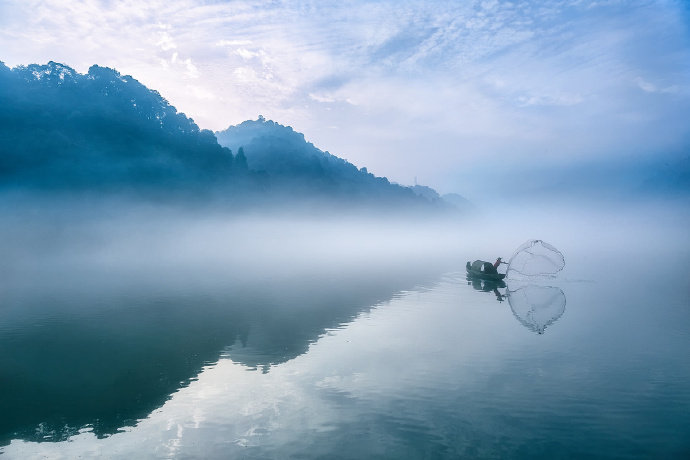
pixel 296 165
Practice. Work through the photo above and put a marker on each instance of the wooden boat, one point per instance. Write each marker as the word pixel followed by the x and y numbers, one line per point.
pixel 477 270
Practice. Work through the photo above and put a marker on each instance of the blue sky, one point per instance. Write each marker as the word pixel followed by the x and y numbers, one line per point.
pixel 453 93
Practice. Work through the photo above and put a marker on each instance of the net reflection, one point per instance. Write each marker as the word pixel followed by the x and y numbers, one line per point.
pixel 536 307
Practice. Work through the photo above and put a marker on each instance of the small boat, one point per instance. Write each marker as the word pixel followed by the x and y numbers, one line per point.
pixel 478 269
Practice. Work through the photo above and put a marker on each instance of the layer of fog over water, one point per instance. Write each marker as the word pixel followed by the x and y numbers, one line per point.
pixel 145 331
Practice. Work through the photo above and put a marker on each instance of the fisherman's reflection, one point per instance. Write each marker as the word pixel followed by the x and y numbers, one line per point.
pixel 488 286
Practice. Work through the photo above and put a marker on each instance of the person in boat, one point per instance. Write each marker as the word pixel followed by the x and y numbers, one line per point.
pixel 492 269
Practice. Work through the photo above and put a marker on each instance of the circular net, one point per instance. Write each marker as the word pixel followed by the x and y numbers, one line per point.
pixel 536 258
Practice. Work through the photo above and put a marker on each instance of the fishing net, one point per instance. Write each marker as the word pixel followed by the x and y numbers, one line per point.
pixel 537 306
pixel 536 258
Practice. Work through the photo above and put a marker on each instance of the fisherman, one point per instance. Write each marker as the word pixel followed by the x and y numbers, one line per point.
pixel 492 269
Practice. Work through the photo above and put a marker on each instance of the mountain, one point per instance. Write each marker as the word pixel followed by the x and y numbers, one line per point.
pixel 296 166
pixel 460 202
pixel 426 192
pixel 61 130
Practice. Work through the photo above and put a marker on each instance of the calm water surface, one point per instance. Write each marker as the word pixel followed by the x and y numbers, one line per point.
pixel 376 361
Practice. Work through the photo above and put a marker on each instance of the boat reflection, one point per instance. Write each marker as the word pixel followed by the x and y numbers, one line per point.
pixel 488 286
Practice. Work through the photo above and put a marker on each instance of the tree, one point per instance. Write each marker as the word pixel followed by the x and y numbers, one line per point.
pixel 241 160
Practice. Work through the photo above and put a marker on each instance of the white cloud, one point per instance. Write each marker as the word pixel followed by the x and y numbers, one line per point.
pixel 201 93
pixel 321 98
pixel 645 85
pixel 233 42
pixel 245 54
pixel 190 70
pixel 166 42
pixel 648 87
pixel 562 99
pixel 246 74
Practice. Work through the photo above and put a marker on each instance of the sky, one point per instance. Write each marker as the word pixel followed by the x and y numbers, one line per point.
pixel 453 94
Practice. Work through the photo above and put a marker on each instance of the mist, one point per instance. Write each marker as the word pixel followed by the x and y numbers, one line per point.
pixel 58 239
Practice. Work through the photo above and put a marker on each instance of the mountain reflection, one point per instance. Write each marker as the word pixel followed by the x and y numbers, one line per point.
pixel 102 353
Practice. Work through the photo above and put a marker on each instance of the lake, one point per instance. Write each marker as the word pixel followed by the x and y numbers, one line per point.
pixel 349 356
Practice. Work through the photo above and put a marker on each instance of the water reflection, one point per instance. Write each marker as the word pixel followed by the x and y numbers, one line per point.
pixel 488 286
pixel 537 307
pixel 534 306
pixel 103 353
